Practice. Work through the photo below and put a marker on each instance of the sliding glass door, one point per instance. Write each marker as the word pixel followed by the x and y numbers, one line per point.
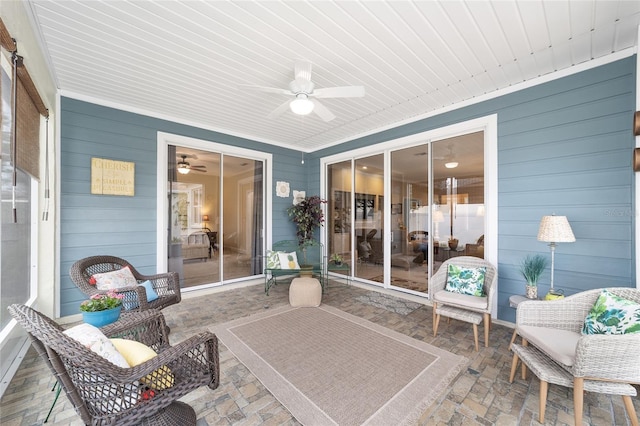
pixel 403 212
pixel 215 216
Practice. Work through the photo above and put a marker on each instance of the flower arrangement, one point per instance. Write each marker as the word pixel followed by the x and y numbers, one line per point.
pixel 336 258
pixel 307 215
pixel 102 302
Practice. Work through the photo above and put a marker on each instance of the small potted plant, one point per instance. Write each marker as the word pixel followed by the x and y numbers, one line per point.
pixel 337 259
pixel 102 309
pixel 531 268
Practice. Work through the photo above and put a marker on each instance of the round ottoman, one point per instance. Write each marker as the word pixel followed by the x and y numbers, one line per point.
pixel 305 292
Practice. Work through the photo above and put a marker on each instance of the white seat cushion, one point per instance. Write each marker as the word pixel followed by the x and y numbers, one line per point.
pixel 560 345
pixel 473 302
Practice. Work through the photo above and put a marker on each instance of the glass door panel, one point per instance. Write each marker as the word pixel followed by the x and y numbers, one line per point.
pixel 242 227
pixel 410 243
pixel 193 216
pixel 339 211
pixel 368 220
pixel 458 196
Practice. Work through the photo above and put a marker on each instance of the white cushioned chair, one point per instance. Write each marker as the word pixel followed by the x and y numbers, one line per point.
pixel 597 362
pixel 473 309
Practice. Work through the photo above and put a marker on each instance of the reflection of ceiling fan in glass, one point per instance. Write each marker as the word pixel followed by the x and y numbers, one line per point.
pixel 184 167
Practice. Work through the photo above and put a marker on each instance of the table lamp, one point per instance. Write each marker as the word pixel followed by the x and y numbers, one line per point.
pixel 555 229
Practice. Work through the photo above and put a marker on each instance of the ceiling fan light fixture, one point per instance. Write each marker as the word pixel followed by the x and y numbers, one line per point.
pixel 451 164
pixel 301 105
pixel 183 169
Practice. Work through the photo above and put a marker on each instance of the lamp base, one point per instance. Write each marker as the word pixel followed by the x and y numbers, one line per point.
pixel 554 294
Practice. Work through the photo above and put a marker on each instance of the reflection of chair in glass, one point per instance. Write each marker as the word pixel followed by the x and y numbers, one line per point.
pixel 463 307
pixel 147 394
pixel 556 350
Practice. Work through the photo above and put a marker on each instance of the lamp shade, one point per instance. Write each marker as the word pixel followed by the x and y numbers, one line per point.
pixel 555 229
pixel 205 218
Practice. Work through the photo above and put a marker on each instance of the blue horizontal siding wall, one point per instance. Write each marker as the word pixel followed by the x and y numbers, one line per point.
pixel 564 147
pixel 125 226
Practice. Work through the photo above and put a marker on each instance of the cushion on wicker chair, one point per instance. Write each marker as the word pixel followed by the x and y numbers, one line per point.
pixel 114 279
pixel 136 353
pixel 451 298
pixel 92 338
pixel 558 344
pixel 469 281
pixel 612 314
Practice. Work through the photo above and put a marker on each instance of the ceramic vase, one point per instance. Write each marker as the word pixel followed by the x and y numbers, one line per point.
pixel 102 318
pixel 531 291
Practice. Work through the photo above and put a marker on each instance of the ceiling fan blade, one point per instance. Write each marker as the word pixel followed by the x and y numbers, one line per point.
pixel 197 170
pixel 302 71
pixel 322 111
pixel 278 111
pixel 339 92
pixel 267 89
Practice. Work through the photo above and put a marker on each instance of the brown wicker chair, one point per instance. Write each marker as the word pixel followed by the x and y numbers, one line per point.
pixel 166 285
pixel 103 393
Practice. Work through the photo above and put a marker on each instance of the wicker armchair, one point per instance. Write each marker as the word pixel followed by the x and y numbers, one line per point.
pixel 462 307
pixel 103 393
pixel 595 362
pixel 167 286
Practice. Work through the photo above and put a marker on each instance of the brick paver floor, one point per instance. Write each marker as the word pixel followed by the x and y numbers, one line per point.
pixel 480 395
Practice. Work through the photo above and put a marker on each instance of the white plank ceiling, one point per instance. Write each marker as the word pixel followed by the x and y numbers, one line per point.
pixel 187 60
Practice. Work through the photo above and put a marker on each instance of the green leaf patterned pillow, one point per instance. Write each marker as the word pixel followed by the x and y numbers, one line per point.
pixel 463 280
pixel 612 314
pixel 273 260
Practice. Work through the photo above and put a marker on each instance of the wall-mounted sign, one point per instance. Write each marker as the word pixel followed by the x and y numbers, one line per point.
pixel 110 177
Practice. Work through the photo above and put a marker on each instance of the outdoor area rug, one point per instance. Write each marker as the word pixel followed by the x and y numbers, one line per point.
pixel 328 367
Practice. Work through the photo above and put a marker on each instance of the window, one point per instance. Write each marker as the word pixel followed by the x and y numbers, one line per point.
pixel 18 239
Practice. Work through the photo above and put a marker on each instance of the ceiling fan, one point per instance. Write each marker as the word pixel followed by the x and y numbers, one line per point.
pixel 184 167
pixel 303 90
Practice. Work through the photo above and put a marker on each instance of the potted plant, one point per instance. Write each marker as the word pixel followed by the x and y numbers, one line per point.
pixel 102 309
pixel 531 268
pixel 337 259
pixel 308 216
